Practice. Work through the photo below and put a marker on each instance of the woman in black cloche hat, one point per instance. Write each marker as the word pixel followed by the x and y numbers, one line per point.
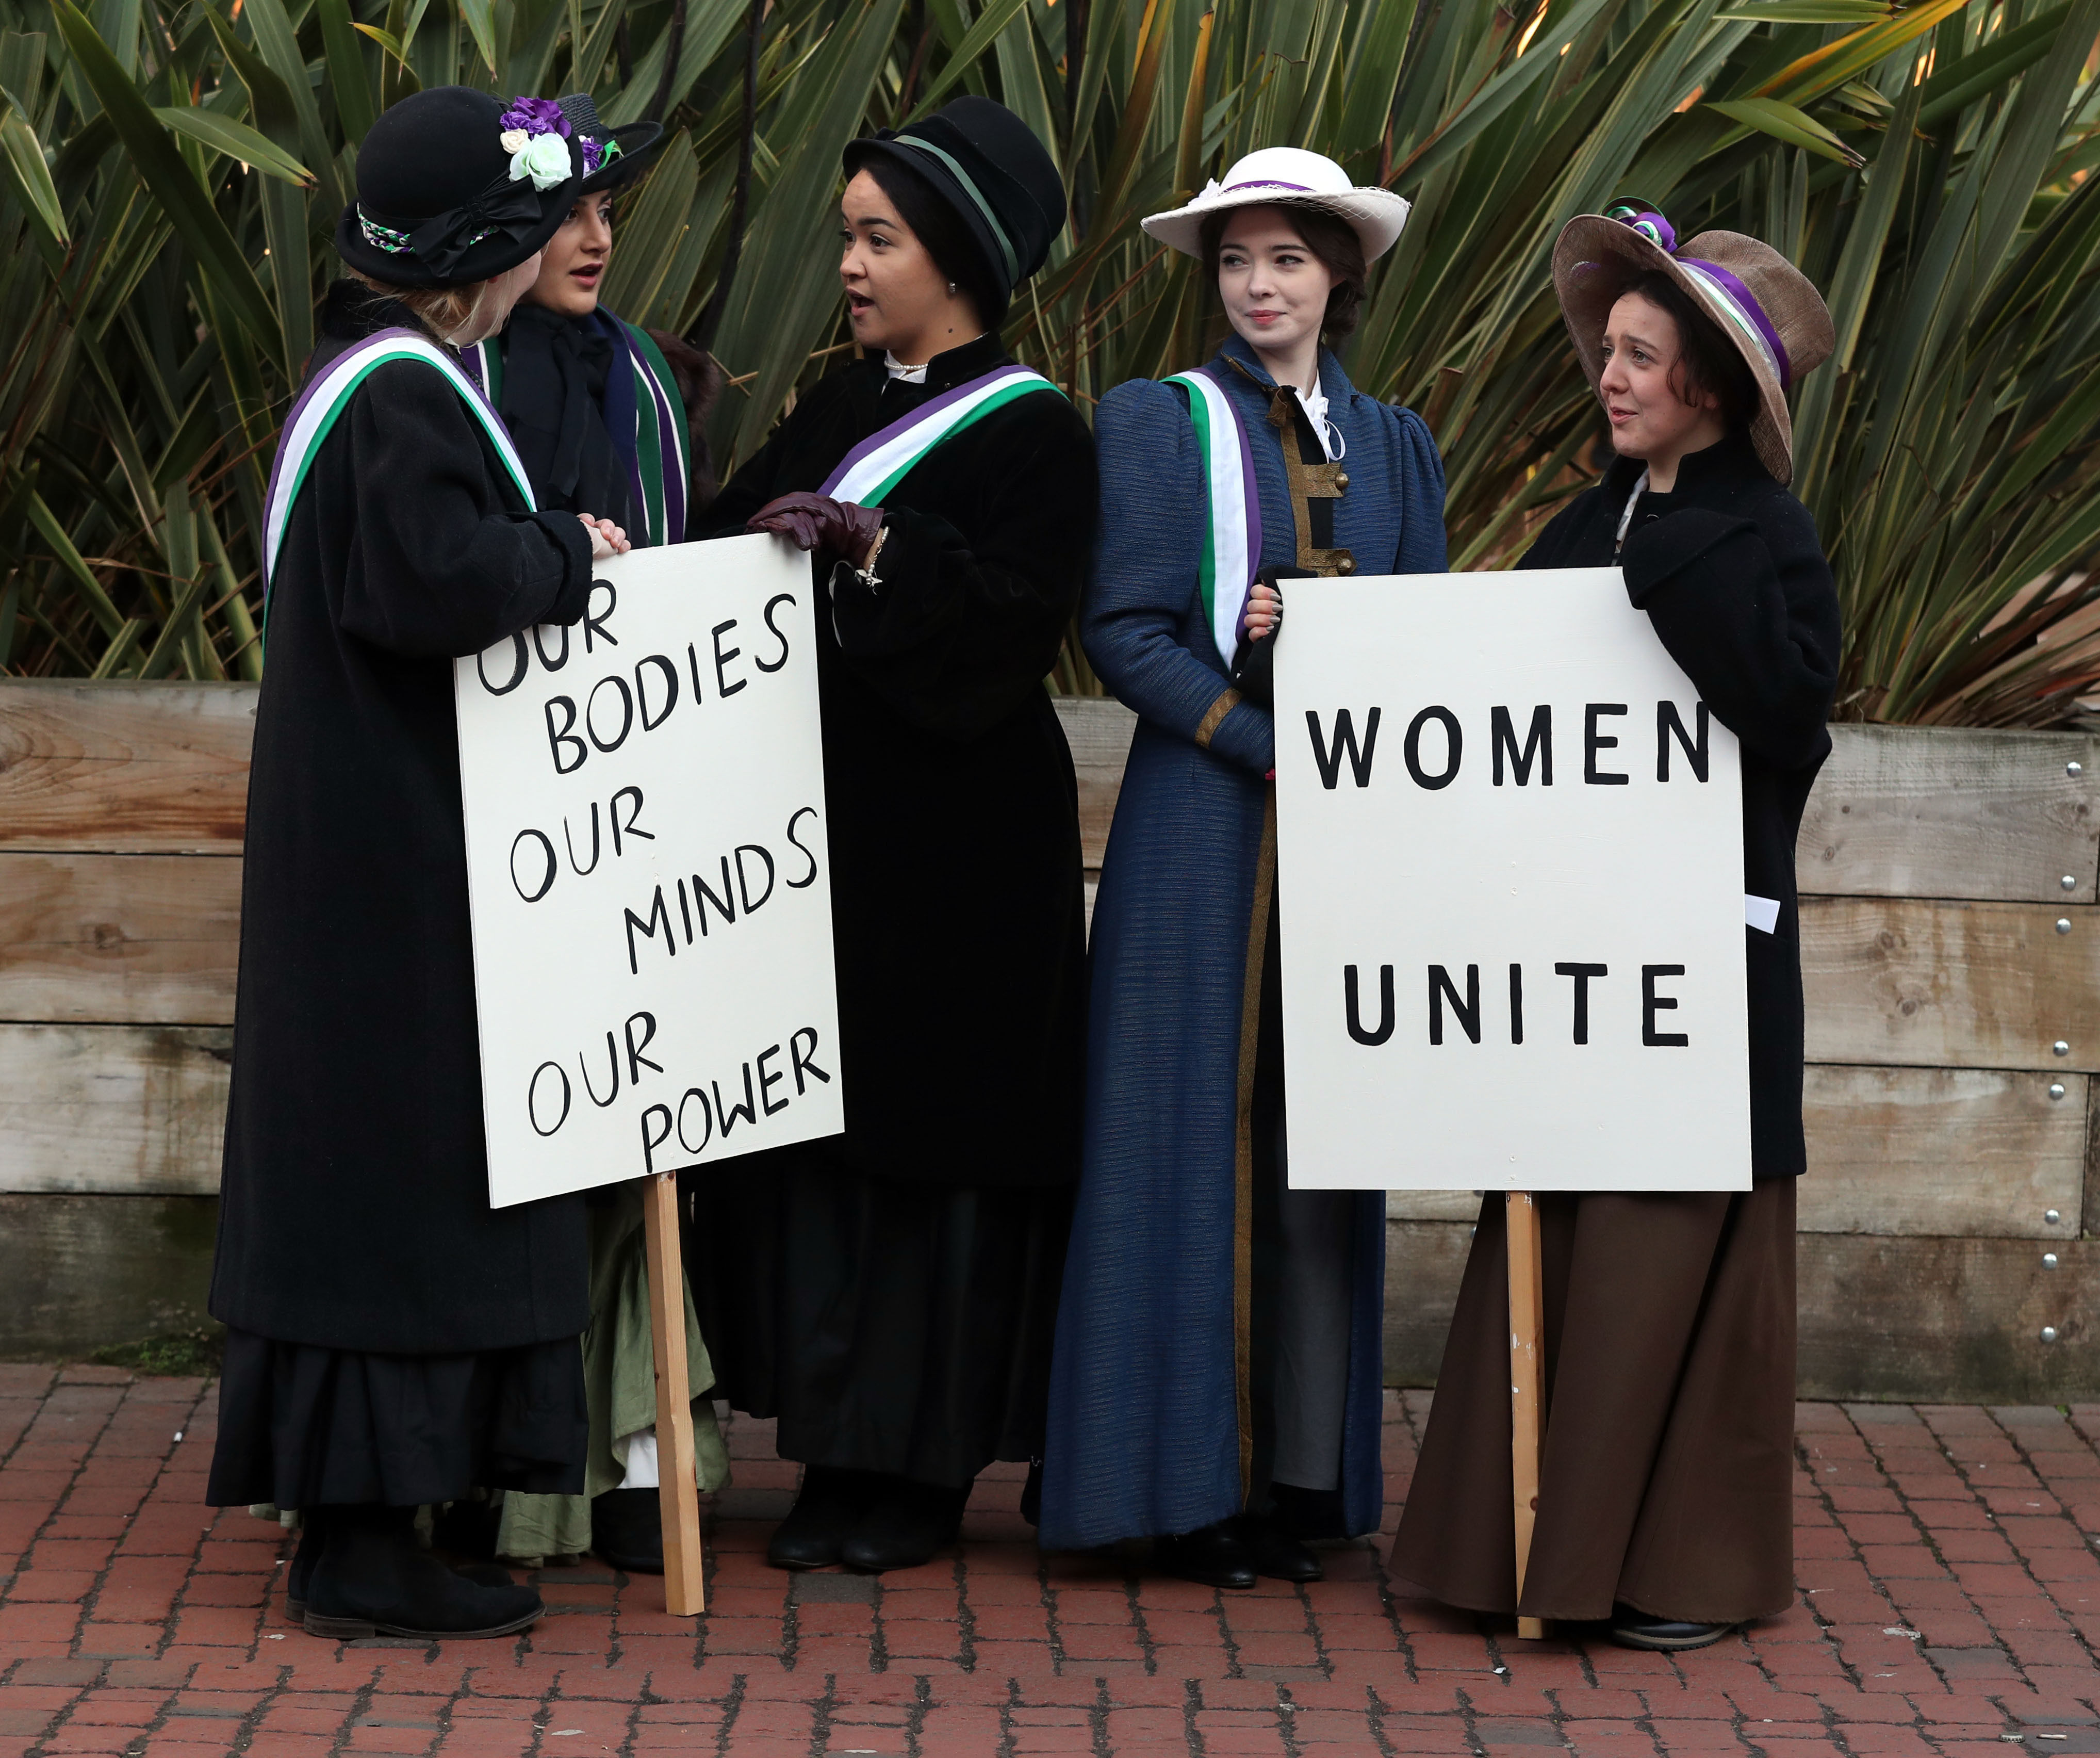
pixel 888 1294
pixel 392 1340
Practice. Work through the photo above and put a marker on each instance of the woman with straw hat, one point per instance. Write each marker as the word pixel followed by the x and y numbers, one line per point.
pixel 598 409
pixel 1216 1385
pixel 888 1294
pixel 1664 1501
pixel 392 1341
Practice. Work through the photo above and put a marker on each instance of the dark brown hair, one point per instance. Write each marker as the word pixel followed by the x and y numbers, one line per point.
pixel 1331 239
pixel 1708 363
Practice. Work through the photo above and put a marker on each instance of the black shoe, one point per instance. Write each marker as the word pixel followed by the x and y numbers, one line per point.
pixel 373 1578
pixel 1308 1513
pixel 829 1508
pixel 1639 1629
pixel 905 1525
pixel 1032 1494
pixel 299 1574
pixel 627 1529
pixel 1217 1556
pixel 1277 1555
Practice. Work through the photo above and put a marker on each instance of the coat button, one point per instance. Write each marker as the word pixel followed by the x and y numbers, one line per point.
pixel 1342 479
pixel 1347 564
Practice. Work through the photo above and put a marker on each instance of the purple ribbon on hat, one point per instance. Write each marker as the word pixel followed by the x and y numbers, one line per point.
pixel 1638 216
pixel 1269 183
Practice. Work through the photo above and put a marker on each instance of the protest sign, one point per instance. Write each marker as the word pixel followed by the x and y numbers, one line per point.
pixel 1510 863
pixel 646 863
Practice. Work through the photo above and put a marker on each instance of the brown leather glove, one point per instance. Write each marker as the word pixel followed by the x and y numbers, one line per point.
pixel 817 522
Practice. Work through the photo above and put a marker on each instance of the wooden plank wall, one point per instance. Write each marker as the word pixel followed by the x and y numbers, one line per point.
pixel 1952 1146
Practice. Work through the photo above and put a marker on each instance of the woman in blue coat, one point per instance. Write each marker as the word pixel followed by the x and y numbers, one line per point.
pixel 1217 1382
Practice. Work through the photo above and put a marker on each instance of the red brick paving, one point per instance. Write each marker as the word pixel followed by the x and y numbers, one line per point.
pixel 1949 1604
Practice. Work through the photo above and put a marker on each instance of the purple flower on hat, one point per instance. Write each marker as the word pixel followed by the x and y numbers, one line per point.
pixel 536 116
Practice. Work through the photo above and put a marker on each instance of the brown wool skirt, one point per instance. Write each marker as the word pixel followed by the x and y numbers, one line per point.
pixel 1666 1479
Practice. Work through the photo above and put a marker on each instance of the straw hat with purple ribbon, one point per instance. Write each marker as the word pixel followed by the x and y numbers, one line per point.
pixel 1287 177
pixel 1764 304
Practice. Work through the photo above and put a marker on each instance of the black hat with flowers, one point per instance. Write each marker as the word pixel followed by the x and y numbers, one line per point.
pixel 454 186
pixel 610 156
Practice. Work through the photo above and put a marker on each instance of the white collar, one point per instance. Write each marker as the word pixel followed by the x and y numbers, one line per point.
pixel 910 375
pixel 1314 403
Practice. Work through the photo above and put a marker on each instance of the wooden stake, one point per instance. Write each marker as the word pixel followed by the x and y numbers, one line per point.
pixel 1527 1317
pixel 685 1593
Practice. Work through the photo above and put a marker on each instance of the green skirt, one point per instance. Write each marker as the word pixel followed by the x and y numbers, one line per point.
pixel 619 1382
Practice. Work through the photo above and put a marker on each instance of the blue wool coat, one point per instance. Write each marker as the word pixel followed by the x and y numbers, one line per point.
pixel 1146 1400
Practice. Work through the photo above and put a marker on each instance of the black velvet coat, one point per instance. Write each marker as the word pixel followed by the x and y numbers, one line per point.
pixel 953 826
pixel 1729 569
pixel 354 1210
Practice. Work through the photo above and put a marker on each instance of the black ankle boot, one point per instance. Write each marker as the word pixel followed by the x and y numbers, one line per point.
pixel 299 1571
pixel 627 1529
pixel 906 1524
pixel 373 1578
pixel 1217 1554
pixel 1278 1553
pixel 827 1507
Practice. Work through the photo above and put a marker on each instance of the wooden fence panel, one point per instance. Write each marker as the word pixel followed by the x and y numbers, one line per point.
pixel 1906 982
pixel 135 938
pixel 125 769
pixel 1919 811
pixel 122 1109
pixel 1953 1151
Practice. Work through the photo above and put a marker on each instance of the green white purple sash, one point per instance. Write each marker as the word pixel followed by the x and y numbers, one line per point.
pixel 867 473
pixel 1232 541
pixel 327 394
pixel 658 462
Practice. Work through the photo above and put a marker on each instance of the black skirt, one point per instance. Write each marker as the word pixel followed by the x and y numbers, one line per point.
pixel 890 1327
pixel 306 1427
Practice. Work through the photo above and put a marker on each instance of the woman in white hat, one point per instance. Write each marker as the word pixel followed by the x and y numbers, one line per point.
pixel 1216 1382
pixel 1664 1501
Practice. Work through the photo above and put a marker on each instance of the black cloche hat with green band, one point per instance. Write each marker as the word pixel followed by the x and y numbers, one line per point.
pixel 987 164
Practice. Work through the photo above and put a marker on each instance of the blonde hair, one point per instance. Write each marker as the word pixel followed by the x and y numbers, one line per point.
pixel 443 311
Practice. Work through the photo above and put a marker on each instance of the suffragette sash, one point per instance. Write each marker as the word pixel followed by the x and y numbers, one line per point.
pixel 874 466
pixel 1232 542
pixel 659 464
pixel 329 395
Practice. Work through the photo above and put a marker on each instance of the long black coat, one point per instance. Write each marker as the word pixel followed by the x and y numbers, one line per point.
pixel 1729 569
pixel 355 1209
pixel 953 828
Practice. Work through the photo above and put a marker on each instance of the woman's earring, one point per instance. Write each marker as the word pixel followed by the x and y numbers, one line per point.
pixel 951 286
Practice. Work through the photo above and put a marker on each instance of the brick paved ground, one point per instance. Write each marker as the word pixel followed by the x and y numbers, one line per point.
pixel 1950 1603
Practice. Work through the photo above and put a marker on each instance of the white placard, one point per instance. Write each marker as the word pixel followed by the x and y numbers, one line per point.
pixel 1548 977
pixel 647 865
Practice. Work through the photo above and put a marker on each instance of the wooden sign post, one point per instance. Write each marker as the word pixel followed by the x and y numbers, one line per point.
pixel 685 1590
pixel 1526 1318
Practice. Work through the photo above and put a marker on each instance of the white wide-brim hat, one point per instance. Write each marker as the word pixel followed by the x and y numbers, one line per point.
pixel 1287 177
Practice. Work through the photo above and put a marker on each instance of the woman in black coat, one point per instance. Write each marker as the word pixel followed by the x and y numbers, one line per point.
pixel 392 1340
pixel 1665 1499
pixel 888 1294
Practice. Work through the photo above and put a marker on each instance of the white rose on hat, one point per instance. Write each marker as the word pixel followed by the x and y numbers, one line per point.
pixel 1287 177
pixel 545 158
